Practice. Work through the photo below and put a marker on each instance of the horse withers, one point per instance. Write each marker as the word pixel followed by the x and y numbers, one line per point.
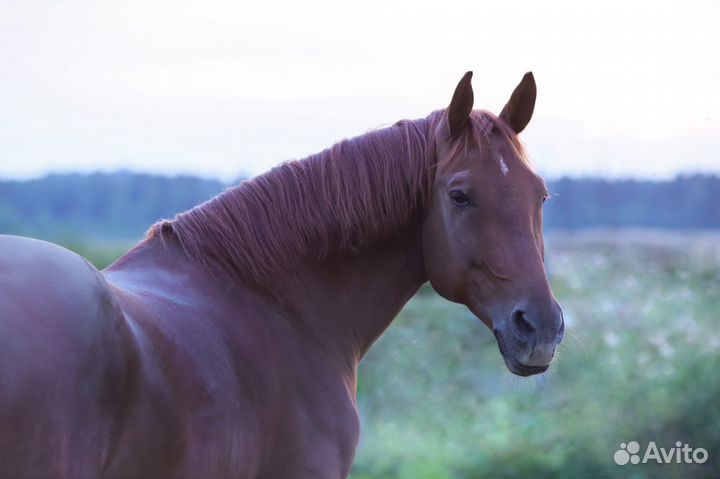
pixel 226 343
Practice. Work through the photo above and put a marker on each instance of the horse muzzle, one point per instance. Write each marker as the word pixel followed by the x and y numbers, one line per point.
pixel 528 340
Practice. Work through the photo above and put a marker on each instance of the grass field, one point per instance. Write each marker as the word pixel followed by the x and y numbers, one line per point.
pixel 640 362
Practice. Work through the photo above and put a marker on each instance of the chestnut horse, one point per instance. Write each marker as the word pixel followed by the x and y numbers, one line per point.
pixel 226 343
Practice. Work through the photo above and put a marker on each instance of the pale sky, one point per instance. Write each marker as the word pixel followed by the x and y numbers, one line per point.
pixel 222 88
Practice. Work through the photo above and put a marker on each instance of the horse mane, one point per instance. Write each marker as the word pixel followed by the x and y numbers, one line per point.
pixel 358 191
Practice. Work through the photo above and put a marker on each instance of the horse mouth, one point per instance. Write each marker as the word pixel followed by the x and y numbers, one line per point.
pixel 524 370
pixel 515 366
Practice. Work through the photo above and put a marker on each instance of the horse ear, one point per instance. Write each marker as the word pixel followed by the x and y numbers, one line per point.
pixel 461 105
pixel 519 108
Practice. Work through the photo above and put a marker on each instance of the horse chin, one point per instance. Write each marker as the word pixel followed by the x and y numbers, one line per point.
pixel 523 370
pixel 516 367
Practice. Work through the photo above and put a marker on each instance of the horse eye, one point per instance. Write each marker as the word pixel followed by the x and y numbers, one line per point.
pixel 459 198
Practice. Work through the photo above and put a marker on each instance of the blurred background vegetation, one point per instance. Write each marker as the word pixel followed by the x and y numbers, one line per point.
pixel 635 264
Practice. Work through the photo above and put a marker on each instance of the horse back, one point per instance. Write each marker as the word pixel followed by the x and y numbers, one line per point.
pixel 66 363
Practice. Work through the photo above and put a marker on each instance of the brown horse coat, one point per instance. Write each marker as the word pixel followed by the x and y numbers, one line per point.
pixel 226 344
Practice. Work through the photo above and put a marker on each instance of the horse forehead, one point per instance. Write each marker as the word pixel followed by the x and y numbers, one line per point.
pixel 497 164
pixel 502 162
pixel 494 159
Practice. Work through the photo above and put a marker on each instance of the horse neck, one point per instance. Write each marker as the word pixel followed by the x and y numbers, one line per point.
pixel 343 270
pixel 345 304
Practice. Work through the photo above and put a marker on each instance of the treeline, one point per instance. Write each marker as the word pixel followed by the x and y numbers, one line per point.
pixel 122 205
pixel 687 202
pixel 99 206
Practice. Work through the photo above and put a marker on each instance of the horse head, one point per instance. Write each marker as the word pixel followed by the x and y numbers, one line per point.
pixel 482 233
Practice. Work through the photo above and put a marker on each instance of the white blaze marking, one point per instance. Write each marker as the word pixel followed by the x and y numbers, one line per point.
pixel 503 166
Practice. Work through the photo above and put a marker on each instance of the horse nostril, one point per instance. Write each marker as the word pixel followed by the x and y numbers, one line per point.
pixel 524 326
